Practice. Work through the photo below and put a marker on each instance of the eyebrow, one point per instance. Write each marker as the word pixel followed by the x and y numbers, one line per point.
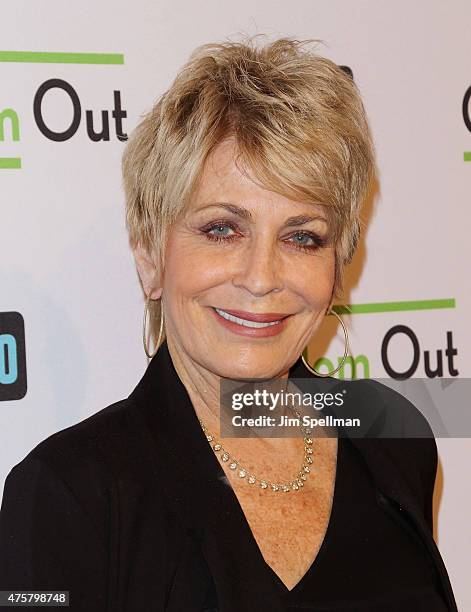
pixel 247 215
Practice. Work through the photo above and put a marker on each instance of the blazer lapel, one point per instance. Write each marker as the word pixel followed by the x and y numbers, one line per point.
pixel 381 454
pixel 196 490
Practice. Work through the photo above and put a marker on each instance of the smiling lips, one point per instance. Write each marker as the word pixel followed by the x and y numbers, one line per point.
pixel 250 324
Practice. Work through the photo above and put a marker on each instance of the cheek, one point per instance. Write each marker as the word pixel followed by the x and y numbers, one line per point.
pixel 314 281
pixel 189 270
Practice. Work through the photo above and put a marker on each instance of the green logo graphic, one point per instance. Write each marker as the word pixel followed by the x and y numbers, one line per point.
pixel 9 117
pixel 434 364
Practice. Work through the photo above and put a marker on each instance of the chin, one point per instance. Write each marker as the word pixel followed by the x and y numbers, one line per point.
pixel 247 363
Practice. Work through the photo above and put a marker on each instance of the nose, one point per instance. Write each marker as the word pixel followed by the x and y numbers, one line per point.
pixel 260 268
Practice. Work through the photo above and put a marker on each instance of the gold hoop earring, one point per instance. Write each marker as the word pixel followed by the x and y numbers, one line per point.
pixel 345 353
pixel 144 330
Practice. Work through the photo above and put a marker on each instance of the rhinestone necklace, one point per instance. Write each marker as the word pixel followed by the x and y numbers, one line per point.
pixel 234 464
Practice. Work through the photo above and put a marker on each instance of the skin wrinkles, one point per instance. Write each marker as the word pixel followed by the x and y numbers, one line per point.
pixel 259 269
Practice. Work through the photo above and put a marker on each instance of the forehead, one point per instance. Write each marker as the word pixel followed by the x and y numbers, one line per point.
pixel 220 170
pixel 222 180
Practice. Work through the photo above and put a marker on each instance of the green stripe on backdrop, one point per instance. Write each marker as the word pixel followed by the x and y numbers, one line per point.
pixel 10 162
pixel 52 57
pixel 467 156
pixel 394 306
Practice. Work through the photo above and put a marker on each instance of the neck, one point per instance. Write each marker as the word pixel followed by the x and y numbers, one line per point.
pixel 203 387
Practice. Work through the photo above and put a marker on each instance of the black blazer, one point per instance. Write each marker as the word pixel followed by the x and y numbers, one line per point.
pixel 117 509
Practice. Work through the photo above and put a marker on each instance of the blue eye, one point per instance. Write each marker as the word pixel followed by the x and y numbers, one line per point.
pixel 220 226
pixel 316 241
pixel 303 236
pixel 220 235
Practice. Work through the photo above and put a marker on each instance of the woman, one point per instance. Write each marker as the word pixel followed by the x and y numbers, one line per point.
pixel 243 191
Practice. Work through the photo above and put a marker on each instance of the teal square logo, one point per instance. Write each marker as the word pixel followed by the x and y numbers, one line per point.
pixel 12 356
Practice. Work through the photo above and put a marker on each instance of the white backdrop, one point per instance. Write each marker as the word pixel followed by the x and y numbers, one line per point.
pixel 65 264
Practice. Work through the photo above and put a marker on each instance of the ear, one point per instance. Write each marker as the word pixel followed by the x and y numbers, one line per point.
pixel 148 273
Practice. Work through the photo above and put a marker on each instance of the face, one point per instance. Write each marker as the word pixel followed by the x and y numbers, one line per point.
pixel 248 275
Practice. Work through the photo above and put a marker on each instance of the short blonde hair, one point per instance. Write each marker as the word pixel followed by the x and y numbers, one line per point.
pixel 300 128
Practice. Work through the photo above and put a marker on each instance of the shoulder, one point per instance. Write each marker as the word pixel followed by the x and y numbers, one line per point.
pixel 400 419
pixel 65 490
pixel 98 448
pixel 395 427
pixel 405 438
pixel 398 415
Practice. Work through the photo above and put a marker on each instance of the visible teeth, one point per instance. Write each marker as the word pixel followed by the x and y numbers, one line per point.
pixel 244 322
